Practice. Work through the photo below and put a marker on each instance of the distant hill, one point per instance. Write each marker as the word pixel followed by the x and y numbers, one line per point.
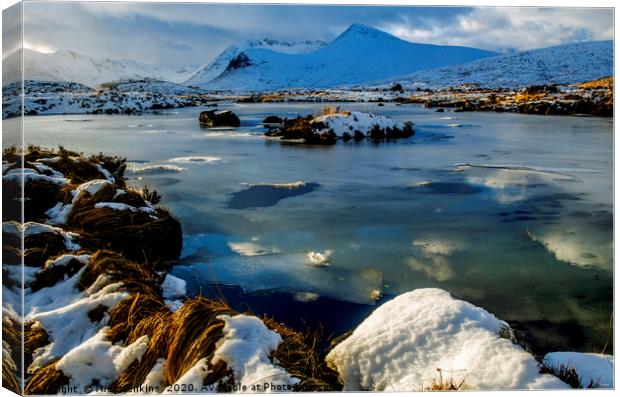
pixel 64 65
pixel 568 63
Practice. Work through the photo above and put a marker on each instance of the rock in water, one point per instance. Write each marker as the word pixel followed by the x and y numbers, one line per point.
pixel 219 118
pixel 272 120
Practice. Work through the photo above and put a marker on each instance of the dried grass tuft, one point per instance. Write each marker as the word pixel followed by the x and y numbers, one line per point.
pixel 116 268
pixel 35 337
pixel 299 353
pixel 139 236
pixel 47 380
pixel 194 331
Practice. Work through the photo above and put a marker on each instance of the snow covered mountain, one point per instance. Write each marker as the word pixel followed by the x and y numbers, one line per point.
pixel 359 55
pixel 70 66
pixel 216 67
pixel 568 63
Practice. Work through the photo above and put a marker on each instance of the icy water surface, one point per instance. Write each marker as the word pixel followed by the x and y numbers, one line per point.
pixel 510 212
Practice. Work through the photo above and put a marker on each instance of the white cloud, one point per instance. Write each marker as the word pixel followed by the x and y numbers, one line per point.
pixel 501 28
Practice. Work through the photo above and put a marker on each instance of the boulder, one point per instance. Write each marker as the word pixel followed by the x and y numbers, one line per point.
pixel 272 120
pixel 218 118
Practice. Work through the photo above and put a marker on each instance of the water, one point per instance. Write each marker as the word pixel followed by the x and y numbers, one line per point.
pixel 510 212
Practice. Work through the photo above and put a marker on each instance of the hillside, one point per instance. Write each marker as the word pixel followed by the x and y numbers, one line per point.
pixel 216 67
pixel 563 64
pixel 361 54
pixel 71 66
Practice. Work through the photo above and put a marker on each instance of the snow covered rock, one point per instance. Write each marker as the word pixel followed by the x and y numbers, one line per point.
pixel 597 369
pixel 329 128
pixel 402 345
pixel 347 125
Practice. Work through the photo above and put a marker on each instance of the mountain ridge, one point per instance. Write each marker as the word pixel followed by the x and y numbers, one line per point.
pixel 560 64
pixel 360 54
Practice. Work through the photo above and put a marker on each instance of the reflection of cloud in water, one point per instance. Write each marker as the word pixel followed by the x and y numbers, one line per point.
pixel 432 258
pixel 436 267
pixel 216 259
pixel 436 247
pixel 578 245
pixel 511 184
pixel 251 249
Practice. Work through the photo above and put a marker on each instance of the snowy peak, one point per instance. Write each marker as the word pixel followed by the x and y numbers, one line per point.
pixel 358 31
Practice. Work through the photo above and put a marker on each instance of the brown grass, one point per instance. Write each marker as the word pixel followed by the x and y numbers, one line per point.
pixel 9 376
pixel 331 110
pixel 156 326
pixel 47 380
pixel 605 82
pixel 116 268
pixel 194 331
pixel 442 384
pixel 139 236
pixel 299 354
pixel 41 247
pixel 11 334
pixel 568 375
pixel 35 337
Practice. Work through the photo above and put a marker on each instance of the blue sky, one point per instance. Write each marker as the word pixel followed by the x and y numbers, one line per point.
pixel 196 33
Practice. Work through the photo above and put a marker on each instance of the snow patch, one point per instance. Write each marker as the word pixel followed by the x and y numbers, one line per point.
pixel 349 122
pixel 28 175
pixel 319 258
pixel 591 367
pixel 62 310
pixel 98 361
pixel 196 160
pixel 245 347
pixel 125 207
pixel 173 287
pixel 33 228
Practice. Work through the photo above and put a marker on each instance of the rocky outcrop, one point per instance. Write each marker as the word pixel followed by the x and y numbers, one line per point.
pixel 218 118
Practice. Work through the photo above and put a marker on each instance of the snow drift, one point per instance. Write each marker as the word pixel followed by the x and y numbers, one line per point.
pixel 403 343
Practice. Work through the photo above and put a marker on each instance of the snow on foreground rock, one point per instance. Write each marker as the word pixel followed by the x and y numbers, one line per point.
pixel 591 367
pixel 403 343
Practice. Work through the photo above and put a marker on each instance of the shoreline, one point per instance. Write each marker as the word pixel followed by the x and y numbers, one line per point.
pixel 593 98
pixel 115 281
